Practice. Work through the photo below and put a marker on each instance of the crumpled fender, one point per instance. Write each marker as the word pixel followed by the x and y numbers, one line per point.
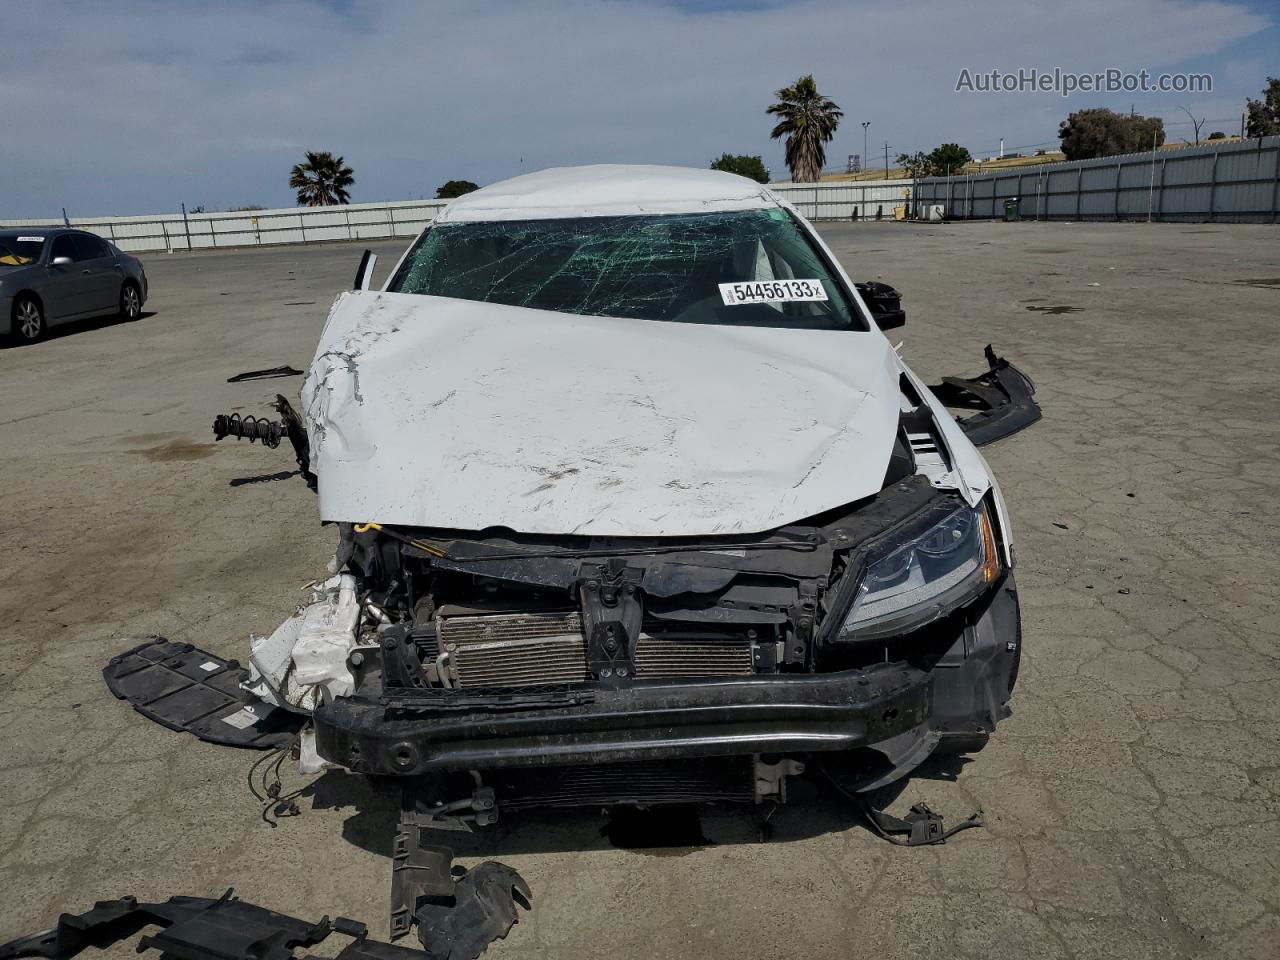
pixel 970 474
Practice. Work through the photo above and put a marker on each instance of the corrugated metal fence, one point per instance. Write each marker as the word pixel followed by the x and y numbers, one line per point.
pixel 1236 182
pixel 203 231
pixel 843 200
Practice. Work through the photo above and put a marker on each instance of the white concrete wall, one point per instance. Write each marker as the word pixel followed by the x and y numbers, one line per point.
pixel 202 231
pixel 859 200
pixel 845 199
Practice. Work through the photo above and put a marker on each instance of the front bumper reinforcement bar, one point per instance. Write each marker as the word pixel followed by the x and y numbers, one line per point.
pixel 647 721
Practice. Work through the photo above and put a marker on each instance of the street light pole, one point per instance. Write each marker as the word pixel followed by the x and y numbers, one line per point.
pixel 865 158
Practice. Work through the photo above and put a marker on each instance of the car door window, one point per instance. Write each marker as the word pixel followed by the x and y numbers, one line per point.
pixel 63 246
pixel 90 248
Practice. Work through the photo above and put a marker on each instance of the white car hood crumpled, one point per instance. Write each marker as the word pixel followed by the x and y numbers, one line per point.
pixel 428 411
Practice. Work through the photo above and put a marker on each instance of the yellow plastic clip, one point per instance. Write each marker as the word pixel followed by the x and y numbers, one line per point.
pixel 366 527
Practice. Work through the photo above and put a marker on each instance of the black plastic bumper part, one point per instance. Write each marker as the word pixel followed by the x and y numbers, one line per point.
pixel 1004 397
pixel 185 688
pixel 198 928
pixel 775 714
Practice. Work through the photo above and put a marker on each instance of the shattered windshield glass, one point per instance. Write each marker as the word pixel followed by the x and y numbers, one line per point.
pixel 749 268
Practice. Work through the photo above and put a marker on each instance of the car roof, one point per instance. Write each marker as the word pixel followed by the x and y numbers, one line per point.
pixel 33 231
pixel 49 233
pixel 603 190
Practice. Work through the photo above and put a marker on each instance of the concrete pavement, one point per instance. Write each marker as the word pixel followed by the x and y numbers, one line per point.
pixel 1131 801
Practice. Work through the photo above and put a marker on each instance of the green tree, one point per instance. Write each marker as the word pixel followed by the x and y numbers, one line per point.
pixel 454 188
pixel 1217 135
pixel 752 168
pixel 808 120
pixel 1264 114
pixel 321 180
pixel 915 164
pixel 947 159
pixel 940 162
pixel 1104 133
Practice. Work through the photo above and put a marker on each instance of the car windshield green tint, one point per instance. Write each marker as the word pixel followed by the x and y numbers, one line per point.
pixel 750 268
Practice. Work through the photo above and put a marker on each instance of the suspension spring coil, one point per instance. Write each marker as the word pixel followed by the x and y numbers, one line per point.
pixel 248 428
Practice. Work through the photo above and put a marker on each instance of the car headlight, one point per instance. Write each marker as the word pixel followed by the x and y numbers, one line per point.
pixel 925 578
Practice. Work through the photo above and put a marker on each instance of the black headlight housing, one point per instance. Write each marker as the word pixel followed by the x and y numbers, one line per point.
pixel 939 561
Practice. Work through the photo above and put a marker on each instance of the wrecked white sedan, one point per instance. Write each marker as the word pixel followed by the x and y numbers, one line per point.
pixel 636 503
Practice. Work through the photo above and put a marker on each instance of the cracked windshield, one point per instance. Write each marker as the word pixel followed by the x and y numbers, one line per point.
pixel 753 268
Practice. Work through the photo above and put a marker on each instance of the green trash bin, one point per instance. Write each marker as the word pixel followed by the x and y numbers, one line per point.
pixel 1011 212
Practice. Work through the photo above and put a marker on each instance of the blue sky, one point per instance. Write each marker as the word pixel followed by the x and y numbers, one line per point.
pixel 134 107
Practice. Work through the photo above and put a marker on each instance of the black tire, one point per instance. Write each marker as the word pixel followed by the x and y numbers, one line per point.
pixel 130 301
pixel 27 318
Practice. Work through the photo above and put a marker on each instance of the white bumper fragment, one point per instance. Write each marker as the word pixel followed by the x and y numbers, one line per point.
pixel 304 662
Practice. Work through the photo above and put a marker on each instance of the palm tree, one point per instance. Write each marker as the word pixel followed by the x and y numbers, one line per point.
pixel 321 180
pixel 808 119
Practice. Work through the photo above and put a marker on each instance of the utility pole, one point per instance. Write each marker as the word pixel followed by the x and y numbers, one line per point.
pixel 1151 189
pixel 886 159
pixel 866 160
pixel 1195 124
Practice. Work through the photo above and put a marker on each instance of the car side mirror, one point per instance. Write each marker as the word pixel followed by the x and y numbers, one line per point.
pixel 885 304
pixel 59 261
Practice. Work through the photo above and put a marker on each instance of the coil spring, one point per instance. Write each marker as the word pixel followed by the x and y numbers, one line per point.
pixel 248 428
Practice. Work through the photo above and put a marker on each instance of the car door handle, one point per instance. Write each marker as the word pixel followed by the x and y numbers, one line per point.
pixel 86 270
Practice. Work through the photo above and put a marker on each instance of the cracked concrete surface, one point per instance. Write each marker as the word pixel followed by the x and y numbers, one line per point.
pixel 1131 801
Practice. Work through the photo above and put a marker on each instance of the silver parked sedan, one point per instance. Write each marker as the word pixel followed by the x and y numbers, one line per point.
pixel 51 276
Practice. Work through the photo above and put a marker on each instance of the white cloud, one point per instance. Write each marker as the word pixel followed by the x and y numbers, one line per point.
pixel 134 107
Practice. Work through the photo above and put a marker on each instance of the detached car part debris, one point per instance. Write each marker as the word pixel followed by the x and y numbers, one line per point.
pixel 198 928
pixel 1004 395
pixel 921 825
pixel 269 373
pixel 457 912
pixel 183 688
pixel 481 909
pixel 270 432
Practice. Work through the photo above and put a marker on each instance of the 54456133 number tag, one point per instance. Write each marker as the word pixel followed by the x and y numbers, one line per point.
pixel 771 291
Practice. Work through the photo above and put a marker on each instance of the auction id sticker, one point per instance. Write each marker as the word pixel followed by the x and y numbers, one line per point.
pixel 31 239
pixel 771 291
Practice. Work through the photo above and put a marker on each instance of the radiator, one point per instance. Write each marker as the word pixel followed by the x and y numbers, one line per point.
pixel 669 656
pixel 547 648
pixel 515 650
